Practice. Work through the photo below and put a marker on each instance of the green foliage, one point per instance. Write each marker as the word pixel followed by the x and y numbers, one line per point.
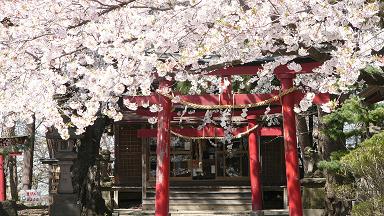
pixel 337 155
pixel 183 87
pixel 333 165
pixel 357 174
pixel 370 207
pixel 346 191
pixel 372 70
pixel 353 111
pixel 376 116
pixel 366 164
pixel 366 158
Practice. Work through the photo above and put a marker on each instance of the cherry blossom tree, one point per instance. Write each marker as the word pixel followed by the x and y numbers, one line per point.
pixel 68 62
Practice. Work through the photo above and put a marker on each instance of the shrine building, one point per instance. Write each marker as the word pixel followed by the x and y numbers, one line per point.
pixel 176 166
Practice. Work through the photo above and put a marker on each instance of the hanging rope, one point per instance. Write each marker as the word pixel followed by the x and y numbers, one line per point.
pixel 237 106
pixel 214 137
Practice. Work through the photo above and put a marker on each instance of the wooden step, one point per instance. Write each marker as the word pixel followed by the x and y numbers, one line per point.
pixel 210 189
pixel 201 201
pixel 204 198
pixel 182 197
pixel 204 195
pixel 207 189
pixel 203 205
pixel 273 212
pixel 201 191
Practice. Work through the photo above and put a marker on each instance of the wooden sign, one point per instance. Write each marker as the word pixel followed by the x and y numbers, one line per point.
pixel 29 196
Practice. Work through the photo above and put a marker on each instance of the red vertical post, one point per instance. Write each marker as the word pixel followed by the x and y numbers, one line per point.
pixel 290 146
pixel 254 165
pixel 162 152
pixel 2 179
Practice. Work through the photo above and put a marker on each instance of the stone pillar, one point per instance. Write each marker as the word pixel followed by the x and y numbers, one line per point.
pixel 65 201
pixel 65 179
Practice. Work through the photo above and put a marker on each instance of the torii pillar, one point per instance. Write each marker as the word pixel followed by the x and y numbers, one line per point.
pixel 254 167
pixel 290 147
pixel 5 142
pixel 2 179
pixel 163 159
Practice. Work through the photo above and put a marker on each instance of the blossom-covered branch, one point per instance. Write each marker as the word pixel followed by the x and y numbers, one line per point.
pixel 94 51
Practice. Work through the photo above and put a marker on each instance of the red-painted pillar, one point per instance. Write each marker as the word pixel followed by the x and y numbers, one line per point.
pixel 2 179
pixel 162 151
pixel 254 165
pixel 290 145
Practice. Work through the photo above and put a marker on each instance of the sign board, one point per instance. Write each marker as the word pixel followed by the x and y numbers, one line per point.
pixel 30 197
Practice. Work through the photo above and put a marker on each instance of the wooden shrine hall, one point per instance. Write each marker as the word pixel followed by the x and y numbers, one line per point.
pixel 171 167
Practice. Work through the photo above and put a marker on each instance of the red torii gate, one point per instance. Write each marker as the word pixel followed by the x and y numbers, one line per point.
pixel 287 101
pixel 8 142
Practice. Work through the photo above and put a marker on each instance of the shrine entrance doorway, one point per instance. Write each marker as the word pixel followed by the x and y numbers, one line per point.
pixel 202 162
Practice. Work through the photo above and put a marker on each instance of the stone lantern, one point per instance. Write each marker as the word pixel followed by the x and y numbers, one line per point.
pixel 65 156
pixel 64 202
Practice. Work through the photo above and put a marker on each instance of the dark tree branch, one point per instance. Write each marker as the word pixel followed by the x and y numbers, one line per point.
pixel 244 5
pixel 111 8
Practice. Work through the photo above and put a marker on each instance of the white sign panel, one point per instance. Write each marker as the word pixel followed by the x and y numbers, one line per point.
pixel 29 196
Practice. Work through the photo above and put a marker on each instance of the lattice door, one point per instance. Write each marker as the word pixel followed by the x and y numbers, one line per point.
pixel 128 155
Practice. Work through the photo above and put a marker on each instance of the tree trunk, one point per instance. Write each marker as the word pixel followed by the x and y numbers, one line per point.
pixel 304 140
pixel 28 158
pixel 10 132
pixel 333 205
pixel 86 178
pixel 13 181
pixel 325 144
